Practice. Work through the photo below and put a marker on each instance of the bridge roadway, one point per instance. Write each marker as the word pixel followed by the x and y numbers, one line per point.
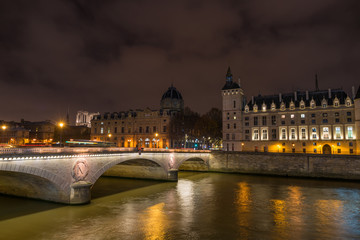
pixel 66 175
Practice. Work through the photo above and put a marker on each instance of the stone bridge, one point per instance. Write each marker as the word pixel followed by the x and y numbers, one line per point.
pixel 67 175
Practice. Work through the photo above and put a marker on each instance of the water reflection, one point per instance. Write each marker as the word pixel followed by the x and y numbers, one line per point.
pixel 243 205
pixel 154 222
pixel 200 206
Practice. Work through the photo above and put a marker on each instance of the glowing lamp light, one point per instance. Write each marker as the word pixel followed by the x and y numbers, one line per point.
pixel 61 124
pixel 3 127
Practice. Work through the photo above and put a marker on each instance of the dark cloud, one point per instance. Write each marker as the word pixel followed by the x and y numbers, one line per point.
pixel 116 55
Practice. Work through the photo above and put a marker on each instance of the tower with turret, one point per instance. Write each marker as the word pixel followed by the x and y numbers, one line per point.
pixel 233 101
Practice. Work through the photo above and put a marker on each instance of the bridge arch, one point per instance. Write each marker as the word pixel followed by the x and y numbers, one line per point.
pixel 32 182
pixel 193 164
pixel 122 168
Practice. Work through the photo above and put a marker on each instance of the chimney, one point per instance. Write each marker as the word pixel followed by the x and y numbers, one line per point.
pixel 295 96
pixel 307 95
pixel 252 100
pixel 280 97
pixel 329 93
pixel 353 92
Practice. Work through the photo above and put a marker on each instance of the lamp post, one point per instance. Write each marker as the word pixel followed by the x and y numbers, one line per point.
pixel 61 125
pixel 3 127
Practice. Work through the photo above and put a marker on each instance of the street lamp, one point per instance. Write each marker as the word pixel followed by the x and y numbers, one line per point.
pixel 61 125
pixel 156 140
pixel 3 127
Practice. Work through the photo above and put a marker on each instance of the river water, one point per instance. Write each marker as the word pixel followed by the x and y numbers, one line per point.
pixel 198 206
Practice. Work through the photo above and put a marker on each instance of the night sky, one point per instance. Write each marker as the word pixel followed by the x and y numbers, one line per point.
pixel 120 55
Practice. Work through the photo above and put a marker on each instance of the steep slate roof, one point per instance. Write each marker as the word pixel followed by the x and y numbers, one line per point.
pixel 358 93
pixel 229 84
pixel 318 96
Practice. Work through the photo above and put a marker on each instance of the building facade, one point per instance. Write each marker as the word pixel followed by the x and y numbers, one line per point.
pixel 320 121
pixel 139 128
pixel 83 118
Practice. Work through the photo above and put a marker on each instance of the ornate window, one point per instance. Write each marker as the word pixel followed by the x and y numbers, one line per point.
pixel 255 108
pixel 348 102
pixel 312 103
pixel 282 106
pixel 336 102
pixel 324 103
pixel 263 107
pixel 246 108
pixel 273 106
pixel 292 105
pixel 302 104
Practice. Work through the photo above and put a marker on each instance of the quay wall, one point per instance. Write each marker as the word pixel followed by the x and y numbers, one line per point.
pixel 283 164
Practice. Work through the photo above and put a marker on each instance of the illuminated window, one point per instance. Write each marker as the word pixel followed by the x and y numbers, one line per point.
pixel 264 134
pixel 292 116
pixel 302 115
pixel 255 107
pixel 283 134
pixel 326 133
pixel 263 107
pixel 303 133
pixel 282 116
pixel 102 130
pixel 256 134
pixel 350 132
pixel 337 132
pixel 314 134
pixel 292 134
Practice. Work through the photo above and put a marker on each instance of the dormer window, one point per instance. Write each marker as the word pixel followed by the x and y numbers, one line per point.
pixel 302 104
pixel 312 103
pixel 336 102
pixel 292 105
pixel 348 102
pixel 246 108
pixel 263 107
pixel 282 106
pixel 273 107
pixel 255 108
pixel 324 103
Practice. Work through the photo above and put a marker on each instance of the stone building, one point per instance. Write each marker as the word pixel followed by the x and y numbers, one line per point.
pixel 320 121
pixel 139 128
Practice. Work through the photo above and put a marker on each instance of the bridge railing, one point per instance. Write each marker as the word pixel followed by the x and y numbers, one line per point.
pixel 54 150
